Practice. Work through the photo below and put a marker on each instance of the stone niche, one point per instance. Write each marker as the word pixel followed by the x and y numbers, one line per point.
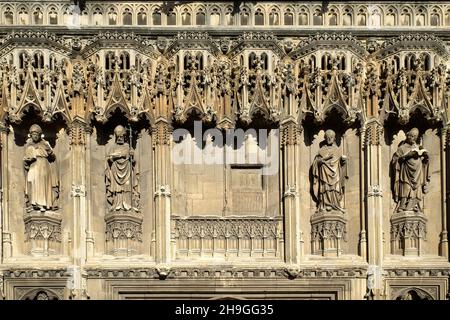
pixel 120 234
pixel 330 234
pixel 413 234
pixel 34 232
pixel 227 209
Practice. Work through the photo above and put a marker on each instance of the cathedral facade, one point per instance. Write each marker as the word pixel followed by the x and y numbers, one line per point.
pixel 224 150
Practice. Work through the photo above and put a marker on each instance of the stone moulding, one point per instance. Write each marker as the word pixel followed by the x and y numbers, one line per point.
pixel 328 230
pixel 43 232
pixel 408 231
pixel 123 233
pixel 228 236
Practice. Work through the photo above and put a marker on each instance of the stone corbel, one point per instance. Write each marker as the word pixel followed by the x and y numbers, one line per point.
pixel 374 191
pixel 163 191
pixel 78 190
pixel 291 191
pixel 163 271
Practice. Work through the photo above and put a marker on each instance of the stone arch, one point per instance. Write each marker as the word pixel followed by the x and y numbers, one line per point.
pixel 333 15
pixel 347 16
pixel 186 15
pixel 127 14
pixel 288 16
pixel 40 294
pixel 420 16
pixel 8 15
pixel 52 15
pixel 141 16
pixel 406 16
pixel 259 16
pixel 37 14
pixel 361 16
pixel 274 16
pixel 215 15
pixel 436 16
pixel 303 16
pixel 413 293
pixel 112 13
pixel 200 16
pixel 391 16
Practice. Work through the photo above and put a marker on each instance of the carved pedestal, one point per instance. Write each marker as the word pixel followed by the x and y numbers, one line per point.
pixel 408 231
pixel 123 233
pixel 328 230
pixel 43 233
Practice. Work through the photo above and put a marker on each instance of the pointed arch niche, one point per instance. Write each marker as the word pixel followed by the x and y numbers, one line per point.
pixel 55 240
pixel 109 229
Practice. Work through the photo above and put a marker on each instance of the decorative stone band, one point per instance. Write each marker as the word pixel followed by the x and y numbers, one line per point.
pixel 226 227
pixel 221 272
pixel 124 225
pixel 46 226
pixel 406 227
pixel 328 226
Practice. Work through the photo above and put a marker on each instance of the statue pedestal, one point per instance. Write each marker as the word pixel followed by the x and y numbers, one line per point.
pixel 43 232
pixel 123 232
pixel 408 231
pixel 328 230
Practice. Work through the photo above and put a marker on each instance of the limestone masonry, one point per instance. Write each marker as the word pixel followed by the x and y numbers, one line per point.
pixel 224 150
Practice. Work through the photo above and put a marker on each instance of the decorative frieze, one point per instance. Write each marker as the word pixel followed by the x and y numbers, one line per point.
pixel 227 236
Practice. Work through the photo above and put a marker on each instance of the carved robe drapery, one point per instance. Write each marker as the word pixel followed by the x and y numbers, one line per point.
pixel 42 179
pixel 121 179
pixel 329 174
pixel 411 176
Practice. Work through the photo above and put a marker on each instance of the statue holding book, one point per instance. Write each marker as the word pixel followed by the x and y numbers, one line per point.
pixel 411 177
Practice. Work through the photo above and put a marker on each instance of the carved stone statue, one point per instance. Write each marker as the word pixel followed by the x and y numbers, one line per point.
pixel 329 172
pixel 121 175
pixel 411 177
pixel 42 185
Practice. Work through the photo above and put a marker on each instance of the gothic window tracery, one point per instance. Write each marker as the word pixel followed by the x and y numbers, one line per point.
pixel 259 17
pixel 8 15
pixel 347 17
pixel 200 17
pixel 215 17
pixel 317 17
pixel 274 17
pixel 156 17
pixel 38 16
pixel 97 16
pixel 332 17
pixel 171 17
pixel 23 16
pixel 245 16
pixel 229 18
pixel 127 17
pixel 361 18
pixel 186 17
pixel 435 17
pixel 420 17
pixel 112 17
pixel 405 17
pixel 303 18
pixel 142 17
pixel 288 17
pixel 390 17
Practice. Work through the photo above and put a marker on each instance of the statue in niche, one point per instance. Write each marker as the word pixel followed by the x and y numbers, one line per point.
pixel 121 175
pixel 410 166
pixel 329 170
pixel 42 183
